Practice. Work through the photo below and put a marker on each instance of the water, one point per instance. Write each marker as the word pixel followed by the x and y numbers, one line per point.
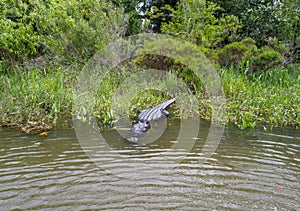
pixel 250 170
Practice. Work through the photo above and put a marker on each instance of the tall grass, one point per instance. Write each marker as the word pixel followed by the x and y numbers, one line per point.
pixel 270 98
pixel 35 95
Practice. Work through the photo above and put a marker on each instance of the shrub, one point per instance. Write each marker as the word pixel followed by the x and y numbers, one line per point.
pixel 19 26
pixel 70 29
pixel 232 54
pixel 249 43
pixel 266 59
pixel 80 29
pixel 245 56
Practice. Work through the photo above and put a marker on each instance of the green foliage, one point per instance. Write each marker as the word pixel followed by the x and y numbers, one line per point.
pixel 80 29
pixel 232 54
pixel 19 36
pixel 231 7
pixel 73 30
pixel 145 15
pixel 258 18
pixel 114 81
pixel 259 21
pixel 195 21
pixel 35 95
pixel 158 62
pixel 245 56
pixel 159 12
pixel 270 99
pixel 289 26
pixel 288 36
pixel 266 59
pixel 134 23
pixel 4 67
pixel 265 20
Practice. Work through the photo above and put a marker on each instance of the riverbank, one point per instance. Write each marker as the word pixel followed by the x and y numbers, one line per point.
pixel 270 99
pixel 45 95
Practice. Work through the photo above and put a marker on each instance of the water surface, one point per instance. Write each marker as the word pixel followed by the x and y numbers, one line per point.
pixel 250 170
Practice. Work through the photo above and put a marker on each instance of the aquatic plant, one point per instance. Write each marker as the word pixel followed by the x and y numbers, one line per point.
pixel 270 98
pixel 35 95
pixel 45 95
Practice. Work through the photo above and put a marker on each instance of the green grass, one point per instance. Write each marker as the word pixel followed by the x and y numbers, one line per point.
pixel 46 95
pixel 271 98
pixel 35 95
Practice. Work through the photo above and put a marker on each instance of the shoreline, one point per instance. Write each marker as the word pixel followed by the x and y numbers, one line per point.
pixel 271 99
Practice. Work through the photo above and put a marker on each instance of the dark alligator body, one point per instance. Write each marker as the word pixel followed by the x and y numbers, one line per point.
pixel 148 115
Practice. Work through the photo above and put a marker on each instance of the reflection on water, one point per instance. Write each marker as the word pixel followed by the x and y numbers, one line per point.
pixel 249 170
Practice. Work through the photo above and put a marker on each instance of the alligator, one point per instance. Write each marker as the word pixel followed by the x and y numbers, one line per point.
pixel 150 114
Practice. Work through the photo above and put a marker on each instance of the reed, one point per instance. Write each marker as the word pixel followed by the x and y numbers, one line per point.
pixel 270 98
pixel 267 99
pixel 35 95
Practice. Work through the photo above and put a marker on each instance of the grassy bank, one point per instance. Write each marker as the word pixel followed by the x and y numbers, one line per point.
pixel 269 99
pixel 35 95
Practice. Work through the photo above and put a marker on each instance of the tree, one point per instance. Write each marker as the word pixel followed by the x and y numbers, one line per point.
pixel 288 14
pixel 141 10
pixel 259 21
pixel 195 21
pixel 160 12
pixel 70 29
pixel 134 15
pixel 266 19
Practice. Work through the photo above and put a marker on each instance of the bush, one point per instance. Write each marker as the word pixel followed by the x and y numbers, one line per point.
pixel 266 59
pixel 231 54
pixel 234 53
pixel 211 54
pixel 245 56
pixel 70 29
pixel 20 26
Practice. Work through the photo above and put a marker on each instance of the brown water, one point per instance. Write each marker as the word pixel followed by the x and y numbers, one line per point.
pixel 250 170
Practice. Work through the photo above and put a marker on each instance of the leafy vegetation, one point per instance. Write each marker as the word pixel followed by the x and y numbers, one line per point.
pixel 254 45
pixel 58 29
pixel 195 21
pixel 270 98
pixel 35 95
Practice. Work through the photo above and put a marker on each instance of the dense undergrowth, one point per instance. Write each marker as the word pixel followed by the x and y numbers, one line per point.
pixel 44 45
pixel 35 95
pixel 269 99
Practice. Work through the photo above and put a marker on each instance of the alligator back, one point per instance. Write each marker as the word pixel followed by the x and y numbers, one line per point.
pixel 156 112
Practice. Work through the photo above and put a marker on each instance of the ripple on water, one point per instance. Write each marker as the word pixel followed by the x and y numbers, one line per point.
pixel 243 174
